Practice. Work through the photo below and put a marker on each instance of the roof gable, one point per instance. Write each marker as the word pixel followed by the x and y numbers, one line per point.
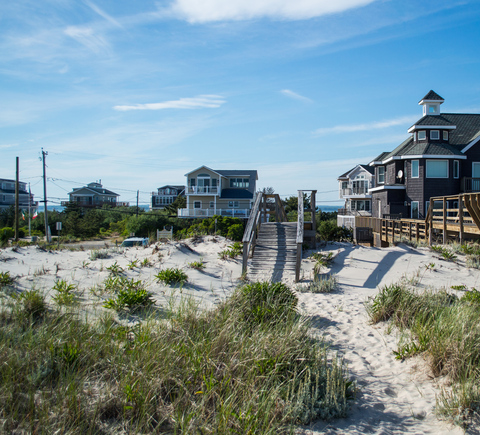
pixel 431 96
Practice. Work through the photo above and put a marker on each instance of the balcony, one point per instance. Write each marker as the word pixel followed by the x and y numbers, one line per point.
pixel 242 213
pixel 354 191
pixel 202 190
pixel 470 184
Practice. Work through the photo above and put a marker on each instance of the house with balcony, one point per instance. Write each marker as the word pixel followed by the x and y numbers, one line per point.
pixel 7 195
pixel 165 196
pixel 440 157
pixel 94 195
pixel 211 192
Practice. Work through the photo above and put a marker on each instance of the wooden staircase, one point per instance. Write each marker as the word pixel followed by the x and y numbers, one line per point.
pixel 275 253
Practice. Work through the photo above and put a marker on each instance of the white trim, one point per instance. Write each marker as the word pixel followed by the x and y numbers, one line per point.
pixel 418 168
pixel 448 171
pixel 471 144
pixel 423 156
pixel 421 102
pixel 411 209
pixel 458 169
pixel 387 187
pixel 435 127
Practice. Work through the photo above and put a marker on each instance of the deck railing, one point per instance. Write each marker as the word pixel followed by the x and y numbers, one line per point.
pixel 209 212
pixel 203 190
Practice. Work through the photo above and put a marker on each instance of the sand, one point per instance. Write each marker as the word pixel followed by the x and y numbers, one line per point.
pixel 393 396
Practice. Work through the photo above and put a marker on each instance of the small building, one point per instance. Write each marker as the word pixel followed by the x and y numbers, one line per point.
pixel 212 192
pixel 7 195
pixel 440 157
pixel 94 195
pixel 165 196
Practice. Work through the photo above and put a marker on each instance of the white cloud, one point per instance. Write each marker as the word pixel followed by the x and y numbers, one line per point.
pixel 221 10
pixel 87 37
pixel 103 14
pixel 349 128
pixel 202 101
pixel 295 96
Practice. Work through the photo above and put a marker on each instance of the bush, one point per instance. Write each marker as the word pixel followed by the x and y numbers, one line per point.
pixel 172 276
pixel 320 285
pixel 330 231
pixel 235 232
pixel 267 302
pixel 65 293
pixel 131 295
pixel 6 233
pixel 32 304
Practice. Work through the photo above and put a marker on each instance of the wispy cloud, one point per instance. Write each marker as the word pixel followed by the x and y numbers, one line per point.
pixel 221 10
pixel 378 125
pixel 202 101
pixel 87 37
pixel 295 96
pixel 103 14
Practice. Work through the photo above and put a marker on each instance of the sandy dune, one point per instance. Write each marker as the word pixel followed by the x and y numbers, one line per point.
pixel 393 397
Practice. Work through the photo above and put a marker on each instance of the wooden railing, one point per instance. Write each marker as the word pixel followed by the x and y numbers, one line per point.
pixel 300 234
pixel 259 213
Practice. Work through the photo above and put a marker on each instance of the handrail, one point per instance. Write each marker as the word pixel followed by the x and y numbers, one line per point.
pixel 253 224
pixel 300 230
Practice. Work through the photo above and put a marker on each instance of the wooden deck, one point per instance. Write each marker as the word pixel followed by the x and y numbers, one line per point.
pixel 443 222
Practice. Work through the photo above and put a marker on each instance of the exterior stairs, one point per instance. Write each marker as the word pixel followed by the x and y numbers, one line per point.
pixel 275 253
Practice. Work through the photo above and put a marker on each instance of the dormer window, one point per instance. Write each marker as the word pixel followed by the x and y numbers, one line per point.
pixel 445 135
pixel 422 135
pixel 435 135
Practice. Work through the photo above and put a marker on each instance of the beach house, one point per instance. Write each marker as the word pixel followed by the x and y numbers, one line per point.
pixel 166 195
pixel 441 156
pixel 7 195
pixel 94 195
pixel 211 192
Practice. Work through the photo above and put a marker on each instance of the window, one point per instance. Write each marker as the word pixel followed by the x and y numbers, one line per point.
pixel 445 135
pixel 415 169
pixel 242 183
pixel 422 135
pixel 381 175
pixel 197 204
pixel 233 204
pixel 437 168
pixel 435 134
pixel 344 185
pixel 414 210
pixel 212 204
pixel 360 205
pixel 432 109
pixel 456 169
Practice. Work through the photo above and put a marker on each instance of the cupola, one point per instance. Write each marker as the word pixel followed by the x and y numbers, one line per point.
pixel 431 103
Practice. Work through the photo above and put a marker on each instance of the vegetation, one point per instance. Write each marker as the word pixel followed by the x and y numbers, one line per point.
pixel 65 293
pixel 129 295
pixel 320 284
pixel 328 230
pixel 198 265
pixel 445 329
pixel 248 366
pixel 232 251
pixel 172 276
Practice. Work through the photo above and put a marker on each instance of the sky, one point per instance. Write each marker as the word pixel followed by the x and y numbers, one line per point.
pixel 137 94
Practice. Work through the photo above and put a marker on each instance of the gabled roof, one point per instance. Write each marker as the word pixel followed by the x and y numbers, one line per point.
pixel 367 168
pixel 437 120
pixel 431 96
pixel 94 190
pixel 178 187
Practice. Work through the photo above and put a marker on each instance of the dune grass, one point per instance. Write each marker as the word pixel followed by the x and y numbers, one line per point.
pixel 247 366
pixel 446 330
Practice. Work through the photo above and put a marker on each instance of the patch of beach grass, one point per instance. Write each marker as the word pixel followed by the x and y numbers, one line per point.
pixel 445 329
pixel 248 366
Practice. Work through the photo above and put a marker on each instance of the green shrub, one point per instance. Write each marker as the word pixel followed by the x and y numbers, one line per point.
pixel 65 293
pixel 232 251
pixel 199 265
pixel 267 302
pixel 6 233
pixel 172 276
pixel 472 296
pixel 115 269
pixel 235 232
pixel 5 279
pixel 130 295
pixel 32 304
pixel 330 231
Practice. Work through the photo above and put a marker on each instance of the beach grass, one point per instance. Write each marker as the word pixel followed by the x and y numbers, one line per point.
pixel 249 365
pixel 445 329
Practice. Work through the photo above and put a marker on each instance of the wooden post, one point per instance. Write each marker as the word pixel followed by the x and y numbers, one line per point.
pixel 409 231
pixel 444 220
pixel 313 206
pixel 430 224
pixel 417 229
pixel 460 218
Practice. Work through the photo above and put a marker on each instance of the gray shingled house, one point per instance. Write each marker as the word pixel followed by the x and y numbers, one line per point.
pixel 94 195
pixel 440 157
pixel 212 192
pixel 165 196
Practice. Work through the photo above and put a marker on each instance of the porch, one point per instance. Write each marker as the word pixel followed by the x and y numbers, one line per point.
pixel 202 190
pixel 242 213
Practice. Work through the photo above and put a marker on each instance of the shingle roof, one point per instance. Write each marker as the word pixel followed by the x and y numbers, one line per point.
pixel 236 194
pixel 366 167
pixel 431 149
pixel 432 96
pixel 100 191
pixel 434 120
pixel 178 187
pixel 236 172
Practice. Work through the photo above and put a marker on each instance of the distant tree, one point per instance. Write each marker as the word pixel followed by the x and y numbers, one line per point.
pixel 267 190
pixel 180 202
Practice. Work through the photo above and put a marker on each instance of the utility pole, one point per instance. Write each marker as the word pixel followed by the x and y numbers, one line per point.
pixel 137 203
pixel 47 238
pixel 16 202
pixel 29 211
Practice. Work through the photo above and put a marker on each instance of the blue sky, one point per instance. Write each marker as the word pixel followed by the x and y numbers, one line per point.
pixel 139 93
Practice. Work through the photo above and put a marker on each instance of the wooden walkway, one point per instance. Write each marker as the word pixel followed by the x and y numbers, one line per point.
pixel 275 255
